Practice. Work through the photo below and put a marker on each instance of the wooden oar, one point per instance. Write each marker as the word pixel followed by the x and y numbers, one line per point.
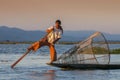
pixel 14 64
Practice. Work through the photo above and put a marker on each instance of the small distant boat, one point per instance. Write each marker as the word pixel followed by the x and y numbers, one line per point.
pixel 92 53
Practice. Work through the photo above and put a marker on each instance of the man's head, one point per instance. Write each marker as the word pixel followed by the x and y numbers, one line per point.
pixel 57 23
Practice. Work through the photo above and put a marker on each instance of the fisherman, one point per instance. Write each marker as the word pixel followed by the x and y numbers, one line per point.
pixel 54 33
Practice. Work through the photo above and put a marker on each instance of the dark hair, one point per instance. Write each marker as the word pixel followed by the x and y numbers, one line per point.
pixel 58 21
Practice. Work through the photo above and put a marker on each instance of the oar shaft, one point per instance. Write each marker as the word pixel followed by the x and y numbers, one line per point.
pixel 14 64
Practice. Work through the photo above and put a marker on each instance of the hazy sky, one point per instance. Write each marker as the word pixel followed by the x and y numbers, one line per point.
pixel 100 15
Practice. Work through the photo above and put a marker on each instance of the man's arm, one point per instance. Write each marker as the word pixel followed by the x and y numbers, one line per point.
pixel 56 40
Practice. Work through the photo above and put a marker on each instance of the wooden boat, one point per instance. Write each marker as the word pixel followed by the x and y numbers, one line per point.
pixel 87 66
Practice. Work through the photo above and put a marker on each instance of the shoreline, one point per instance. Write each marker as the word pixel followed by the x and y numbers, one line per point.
pixel 61 42
pixel 114 51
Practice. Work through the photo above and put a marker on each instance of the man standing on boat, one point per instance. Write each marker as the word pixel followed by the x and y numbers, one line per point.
pixel 54 33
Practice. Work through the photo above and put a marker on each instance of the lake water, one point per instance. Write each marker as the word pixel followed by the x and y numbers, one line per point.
pixel 33 66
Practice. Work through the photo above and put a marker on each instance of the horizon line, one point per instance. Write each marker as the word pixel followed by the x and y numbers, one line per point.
pixel 64 30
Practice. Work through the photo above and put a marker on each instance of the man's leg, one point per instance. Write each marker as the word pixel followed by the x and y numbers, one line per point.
pixel 35 46
pixel 53 54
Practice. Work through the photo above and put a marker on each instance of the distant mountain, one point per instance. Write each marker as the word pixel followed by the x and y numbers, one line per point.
pixel 15 34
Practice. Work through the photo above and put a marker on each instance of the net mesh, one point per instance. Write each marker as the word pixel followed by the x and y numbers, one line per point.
pixel 93 50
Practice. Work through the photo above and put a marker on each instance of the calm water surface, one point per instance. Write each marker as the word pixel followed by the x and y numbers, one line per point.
pixel 33 66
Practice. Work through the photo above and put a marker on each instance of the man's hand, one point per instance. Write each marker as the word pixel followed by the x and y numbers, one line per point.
pixel 49 30
pixel 56 40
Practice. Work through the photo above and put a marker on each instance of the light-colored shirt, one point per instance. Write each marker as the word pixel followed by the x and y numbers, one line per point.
pixel 54 35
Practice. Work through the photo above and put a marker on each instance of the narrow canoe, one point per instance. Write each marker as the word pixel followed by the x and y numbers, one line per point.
pixel 87 66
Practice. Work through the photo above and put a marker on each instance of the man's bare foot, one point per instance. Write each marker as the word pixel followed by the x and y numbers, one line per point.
pixel 49 62
pixel 29 48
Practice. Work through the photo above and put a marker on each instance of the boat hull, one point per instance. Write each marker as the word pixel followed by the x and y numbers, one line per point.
pixel 87 66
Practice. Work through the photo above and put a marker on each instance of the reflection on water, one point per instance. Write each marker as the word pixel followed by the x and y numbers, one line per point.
pixel 33 66
pixel 46 75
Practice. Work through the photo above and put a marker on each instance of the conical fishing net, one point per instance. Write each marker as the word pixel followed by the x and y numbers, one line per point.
pixel 93 50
